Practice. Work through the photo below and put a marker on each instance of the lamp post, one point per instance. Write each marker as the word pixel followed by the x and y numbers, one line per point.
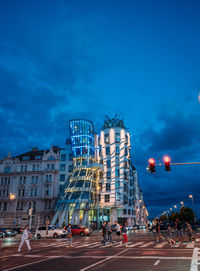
pixel 191 197
pixel 13 197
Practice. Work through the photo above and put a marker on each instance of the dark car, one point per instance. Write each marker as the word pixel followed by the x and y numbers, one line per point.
pixel 18 230
pixel 2 234
pixel 9 233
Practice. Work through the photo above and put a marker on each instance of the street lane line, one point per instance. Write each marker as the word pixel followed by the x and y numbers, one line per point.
pixel 24 265
pixel 99 262
pixel 190 245
pixel 157 262
pixel 194 262
pixel 136 244
pixel 161 245
pixel 147 244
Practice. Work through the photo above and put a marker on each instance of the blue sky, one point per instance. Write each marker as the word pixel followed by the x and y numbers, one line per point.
pixel 139 59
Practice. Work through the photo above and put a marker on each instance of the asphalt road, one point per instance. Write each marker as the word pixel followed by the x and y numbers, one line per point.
pixel 87 253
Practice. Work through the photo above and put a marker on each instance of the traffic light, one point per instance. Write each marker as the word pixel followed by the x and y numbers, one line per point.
pixel 152 167
pixel 167 162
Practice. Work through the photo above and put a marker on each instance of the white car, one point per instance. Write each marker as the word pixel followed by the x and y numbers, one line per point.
pixel 52 232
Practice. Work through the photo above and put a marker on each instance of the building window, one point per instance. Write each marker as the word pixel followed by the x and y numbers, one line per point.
pixel 25 157
pixel 125 151
pixel 62 177
pixel 126 139
pixel 70 168
pixel 33 167
pixel 116 172
pixel 22 168
pixel 106 138
pixel 25 168
pixel 33 179
pixel 7 169
pixel 107 198
pixel 108 174
pixel 107 186
pixel 108 163
pixel 35 192
pixel 51 158
pixel 129 211
pixel 48 191
pixel 50 178
pixel 62 167
pixel 47 178
pixel 23 192
pixel 107 150
pixel 36 179
pixel 117 161
pixel 118 196
pixel 117 137
pixel 31 192
pixel 63 157
pixel 117 184
pixel 124 211
pixel 24 180
pixel 21 206
pixel 48 166
pixel 125 187
pixel 70 156
pixel 8 180
pixel 52 166
pixel 5 206
pixel 117 151
pixel 19 193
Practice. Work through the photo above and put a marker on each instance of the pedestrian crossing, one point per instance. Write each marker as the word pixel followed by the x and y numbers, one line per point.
pixel 141 244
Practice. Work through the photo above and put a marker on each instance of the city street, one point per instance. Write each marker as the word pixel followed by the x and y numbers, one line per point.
pixel 87 253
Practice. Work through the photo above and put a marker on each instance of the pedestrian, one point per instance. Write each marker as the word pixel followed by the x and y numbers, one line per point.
pixel 25 238
pixel 104 233
pixel 158 233
pixel 118 229
pixel 69 236
pixel 109 232
pixel 169 235
pixel 124 232
pixel 179 233
pixel 189 232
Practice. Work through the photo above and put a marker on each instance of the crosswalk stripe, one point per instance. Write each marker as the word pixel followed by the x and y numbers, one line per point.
pixel 87 245
pixel 136 244
pixel 161 245
pixel 147 244
pixel 190 245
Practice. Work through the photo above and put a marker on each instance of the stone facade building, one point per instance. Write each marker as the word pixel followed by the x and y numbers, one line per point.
pixel 29 183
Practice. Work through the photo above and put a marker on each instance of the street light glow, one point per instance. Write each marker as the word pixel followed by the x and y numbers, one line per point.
pixel 191 196
pixel 12 196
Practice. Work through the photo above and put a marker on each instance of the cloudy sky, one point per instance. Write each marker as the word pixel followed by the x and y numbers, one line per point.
pixel 74 59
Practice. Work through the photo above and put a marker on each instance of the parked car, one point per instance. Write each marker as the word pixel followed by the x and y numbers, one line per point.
pixel 9 232
pixel 18 230
pixel 52 232
pixel 79 230
pixel 2 234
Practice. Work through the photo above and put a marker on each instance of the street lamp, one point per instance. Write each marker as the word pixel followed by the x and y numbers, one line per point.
pixel 175 206
pixel 182 203
pixel 13 197
pixel 191 197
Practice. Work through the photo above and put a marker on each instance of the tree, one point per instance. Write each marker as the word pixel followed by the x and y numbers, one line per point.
pixel 173 216
pixel 186 214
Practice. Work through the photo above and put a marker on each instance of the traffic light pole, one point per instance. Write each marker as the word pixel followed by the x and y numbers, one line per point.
pixel 188 163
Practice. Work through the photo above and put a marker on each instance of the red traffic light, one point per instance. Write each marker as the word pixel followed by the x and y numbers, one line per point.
pixel 152 161
pixel 167 161
pixel 151 167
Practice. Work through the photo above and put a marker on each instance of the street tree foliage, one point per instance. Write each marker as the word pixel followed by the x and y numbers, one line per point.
pixel 185 214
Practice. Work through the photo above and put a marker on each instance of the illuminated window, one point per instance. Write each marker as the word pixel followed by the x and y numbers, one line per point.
pixel 107 186
pixel 62 177
pixel 125 151
pixel 116 172
pixel 126 139
pixel 117 151
pixel 117 184
pixel 108 174
pixel 108 163
pixel 117 160
pixel 62 167
pixel 118 196
pixel 7 169
pixel 117 137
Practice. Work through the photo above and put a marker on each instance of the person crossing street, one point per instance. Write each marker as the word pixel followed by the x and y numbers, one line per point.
pixel 25 238
pixel 69 236
pixel 109 232
pixel 124 232
pixel 104 233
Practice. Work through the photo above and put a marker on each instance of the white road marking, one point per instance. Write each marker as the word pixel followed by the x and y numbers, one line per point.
pixel 147 244
pixel 99 262
pixel 194 262
pixel 157 262
pixel 190 245
pixel 136 244
pixel 161 245
pixel 24 265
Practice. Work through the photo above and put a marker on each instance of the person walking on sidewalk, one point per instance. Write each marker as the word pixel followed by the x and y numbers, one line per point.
pixel 118 229
pixel 124 232
pixel 69 236
pixel 25 238
pixel 109 232
pixel 104 233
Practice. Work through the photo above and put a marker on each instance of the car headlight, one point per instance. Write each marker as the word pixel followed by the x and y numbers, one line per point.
pixel 60 232
pixel 86 230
